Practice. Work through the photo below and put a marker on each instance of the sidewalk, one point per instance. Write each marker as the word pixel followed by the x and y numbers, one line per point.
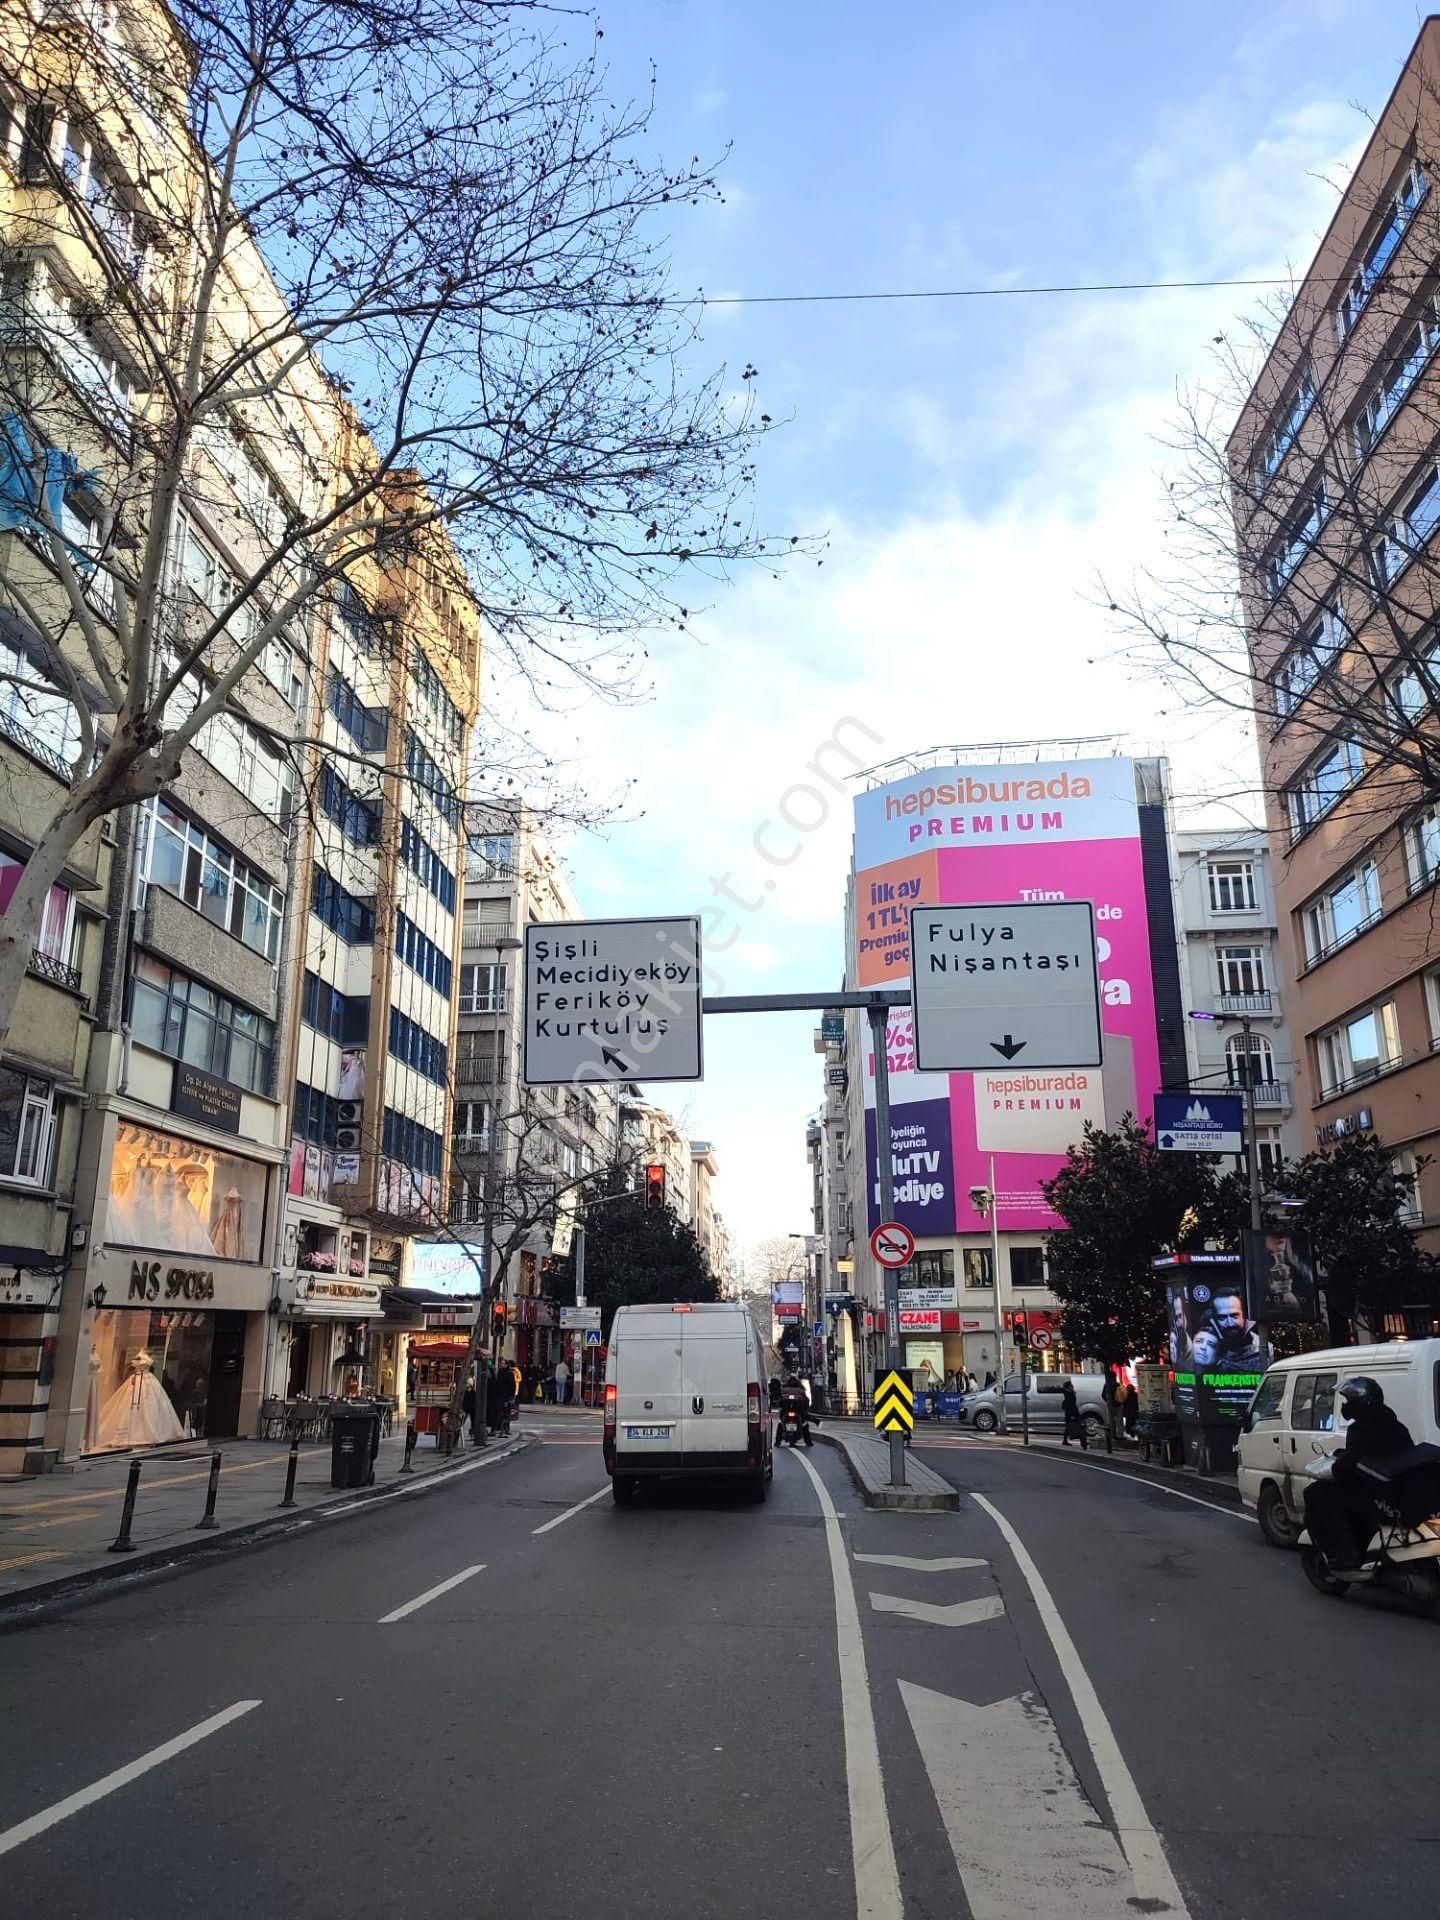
pixel 56 1530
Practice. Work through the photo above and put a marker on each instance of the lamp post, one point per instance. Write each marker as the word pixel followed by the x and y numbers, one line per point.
pixel 986 1202
pixel 499 1006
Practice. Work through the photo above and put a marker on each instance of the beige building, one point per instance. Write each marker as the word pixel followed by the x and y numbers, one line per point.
pixel 1336 495
pixel 703 1219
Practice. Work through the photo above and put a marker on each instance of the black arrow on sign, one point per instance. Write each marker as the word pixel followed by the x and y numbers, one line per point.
pixel 1009 1047
pixel 613 1059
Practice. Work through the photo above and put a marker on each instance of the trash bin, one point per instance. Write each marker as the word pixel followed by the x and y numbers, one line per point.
pixel 354 1443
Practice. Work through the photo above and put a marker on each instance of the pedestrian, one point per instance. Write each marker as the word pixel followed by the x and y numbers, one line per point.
pixel 1074 1425
pixel 469 1406
pixel 1107 1394
pixel 562 1382
pixel 1128 1402
pixel 494 1399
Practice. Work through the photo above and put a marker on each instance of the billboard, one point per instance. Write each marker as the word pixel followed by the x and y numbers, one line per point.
pixel 1214 1344
pixel 1280 1269
pixel 447 1266
pixel 956 836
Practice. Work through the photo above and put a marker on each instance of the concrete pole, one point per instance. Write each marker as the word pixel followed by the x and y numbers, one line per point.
pixel 1252 1136
pixel 879 1015
pixel 577 1339
pixel 996 1303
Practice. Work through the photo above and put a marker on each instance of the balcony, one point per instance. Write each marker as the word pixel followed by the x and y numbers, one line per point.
pixel 45 966
pixel 495 1002
pixel 1272 1093
pixel 475 932
pixel 1243 1003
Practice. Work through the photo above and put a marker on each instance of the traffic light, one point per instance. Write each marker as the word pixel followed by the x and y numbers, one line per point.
pixel 497 1320
pixel 654 1188
pixel 1022 1329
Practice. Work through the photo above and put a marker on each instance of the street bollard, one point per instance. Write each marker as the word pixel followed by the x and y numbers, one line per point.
pixel 210 1493
pixel 122 1542
pixel 408 1466
pixel 290 1466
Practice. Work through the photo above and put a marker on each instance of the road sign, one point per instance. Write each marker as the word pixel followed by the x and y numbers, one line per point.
pixel 892 1244
pixel 592 1337
pixel 609 1000
pixel 574 1319
pixel 894 1404
pixel 1041 1338
pixel 1013 984
pixel 1200 1122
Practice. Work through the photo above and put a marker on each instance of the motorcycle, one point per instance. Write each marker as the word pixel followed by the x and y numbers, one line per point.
pixel 793 1422
pixel 1403 1556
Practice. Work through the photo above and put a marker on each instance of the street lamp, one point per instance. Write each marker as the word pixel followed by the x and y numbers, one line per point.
pixel 499 1004
pixel 986 1203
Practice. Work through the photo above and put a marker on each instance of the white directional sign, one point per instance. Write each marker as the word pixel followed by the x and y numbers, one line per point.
pixel 579 1319
pixel 1016 985
pixel 612 1000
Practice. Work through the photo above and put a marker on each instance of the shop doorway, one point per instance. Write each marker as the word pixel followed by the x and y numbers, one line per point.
pixel 299 1377
pixel 227 1367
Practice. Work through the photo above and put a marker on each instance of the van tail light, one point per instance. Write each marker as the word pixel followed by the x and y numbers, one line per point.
pixel 752 1405
pixel 610 1406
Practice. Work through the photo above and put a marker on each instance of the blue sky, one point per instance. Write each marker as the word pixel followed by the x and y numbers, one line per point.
pixel 975 463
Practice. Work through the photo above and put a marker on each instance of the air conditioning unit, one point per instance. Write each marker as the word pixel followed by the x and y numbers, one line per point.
pixel 347 1139
pixel 349 1113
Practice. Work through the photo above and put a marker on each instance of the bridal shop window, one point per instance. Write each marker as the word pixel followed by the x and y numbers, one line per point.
pixel 158 1376
pixel 170 1194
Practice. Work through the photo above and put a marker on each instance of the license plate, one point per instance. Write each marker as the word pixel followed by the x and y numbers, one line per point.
pixel 647 1433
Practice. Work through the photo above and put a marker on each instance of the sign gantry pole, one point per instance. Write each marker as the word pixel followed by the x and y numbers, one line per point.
pixel 879 1016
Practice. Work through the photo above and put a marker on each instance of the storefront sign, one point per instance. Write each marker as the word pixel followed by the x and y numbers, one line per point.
pixel 351 1294
pixel 924 1320
pixel 1343 1125
pixel 153 1280
pixel 200 1096
pixel 133 1281
pixel 927 1299
pixel 25 1287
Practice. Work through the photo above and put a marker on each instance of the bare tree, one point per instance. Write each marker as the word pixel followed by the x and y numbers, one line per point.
pixel 372 271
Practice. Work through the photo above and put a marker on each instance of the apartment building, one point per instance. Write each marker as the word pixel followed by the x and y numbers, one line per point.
pixel 652 1137
pixel 704 1166
pixel 1233 970
pixel 1336 497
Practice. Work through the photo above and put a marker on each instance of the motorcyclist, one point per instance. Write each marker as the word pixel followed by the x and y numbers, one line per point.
pixel 793 1397
pixel 1340 1512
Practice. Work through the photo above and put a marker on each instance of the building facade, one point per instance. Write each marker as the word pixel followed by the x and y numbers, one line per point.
pixel 1233 969
pixel 703 1218
pixel 1336 497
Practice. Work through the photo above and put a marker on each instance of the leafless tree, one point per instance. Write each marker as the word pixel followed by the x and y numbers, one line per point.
pixel 404 265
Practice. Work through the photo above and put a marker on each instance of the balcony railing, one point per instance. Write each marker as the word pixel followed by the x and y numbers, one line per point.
pixel 480 1070
pixel 484 933
pixel 1272 1093
pixel 1234 1003
pixel 46 967
pixel 496 1002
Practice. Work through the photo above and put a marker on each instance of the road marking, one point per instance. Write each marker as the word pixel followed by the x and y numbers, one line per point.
pixel 570 1514
pixel 963 1613
pixel 918 1566
pixel 1142 1844
pixel 432 1593
pixel 439 1479
pixel 877 1879
pixel 1110 1473
pixel 33 1559
pixel 87 1796
pixel 1029 1841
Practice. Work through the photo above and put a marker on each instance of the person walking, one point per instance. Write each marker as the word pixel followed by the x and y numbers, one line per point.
pixel 1129 1404
pixel 470 1408
pixel 562 1382
pixel 1074 1425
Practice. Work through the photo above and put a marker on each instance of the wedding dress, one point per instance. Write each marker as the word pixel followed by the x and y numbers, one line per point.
pixel 139 1413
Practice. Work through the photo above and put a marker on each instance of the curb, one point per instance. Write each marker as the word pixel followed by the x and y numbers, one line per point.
pixel 892 1499
pixel 49 1598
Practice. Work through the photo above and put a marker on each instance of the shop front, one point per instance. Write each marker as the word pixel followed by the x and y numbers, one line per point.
pixel 177 1294
pixel 938 1342
pixel 324 1347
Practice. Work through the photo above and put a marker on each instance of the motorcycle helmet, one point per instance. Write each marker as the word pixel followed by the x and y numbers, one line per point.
pixel 1359 1394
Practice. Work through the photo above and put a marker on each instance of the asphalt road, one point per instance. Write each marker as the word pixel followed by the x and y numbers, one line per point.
pixel 699 1707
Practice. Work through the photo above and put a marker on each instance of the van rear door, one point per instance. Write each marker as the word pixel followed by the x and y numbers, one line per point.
pixel 717 1373
pixel 648 1389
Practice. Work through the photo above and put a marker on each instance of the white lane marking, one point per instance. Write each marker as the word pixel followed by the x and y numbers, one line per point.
pixel 1131 1479
pixel 953 1565
pixel 570 1513
pixel 963 1613
pixel 440 1479
pixel 87 1796
pixel 877 1879
pixel 1143 1847
pixel 431 1593
pixel 1029 1842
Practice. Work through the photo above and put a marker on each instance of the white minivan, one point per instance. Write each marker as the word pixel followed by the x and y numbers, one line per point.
pixel 686 1393
pixel 1294 1418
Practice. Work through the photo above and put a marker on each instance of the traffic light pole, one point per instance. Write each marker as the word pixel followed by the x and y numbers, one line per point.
pixel 879 1016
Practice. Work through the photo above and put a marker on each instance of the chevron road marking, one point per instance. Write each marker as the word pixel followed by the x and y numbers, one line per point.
pixel 962 1613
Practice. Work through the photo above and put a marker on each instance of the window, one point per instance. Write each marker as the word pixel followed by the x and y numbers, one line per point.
pixel 932 1267
pixel 250 760
pixel 357 819
pixel 1272 1152
pixel 421 953
pixel 1358 1049
pixel 362 625
pixel 977 1266
pixel 94 179
pixel 1413 693
pixel 1322 784
pixel 347 915
pixel 1288 419
pixel 56 936
pixel 492 856
pixel 431 691
pixel 1397 217
pixel 1260 1051
pixel 181 857
pixel 1410 358
pixel 412 1045
pixel 1268 1396
pixel 368 727
pixel 1300 534
pixel 418 1148
pixel 315 1116
pixel 1408 528
pixel 27 1127
pixel 1240 969
pixel 1232 886
pixel 1344 910
pixel 427 775
pixel 1422 849
pixel 177 1015
pixel 43 724
pixel 1027 1266
pixel 1321 643
pixel 472 1124
pixel 344 1017
pixel 283 667
pixel 1406 1171
pixel 425 862
pixel 482 989
pixel 1313 1408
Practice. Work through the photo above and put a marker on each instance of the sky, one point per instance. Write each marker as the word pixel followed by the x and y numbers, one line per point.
pixel 974 465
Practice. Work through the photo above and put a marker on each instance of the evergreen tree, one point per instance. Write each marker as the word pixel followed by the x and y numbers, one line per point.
pixel 634 1254
pixel 1353 1205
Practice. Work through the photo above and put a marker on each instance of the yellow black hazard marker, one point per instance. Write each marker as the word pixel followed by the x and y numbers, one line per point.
pixel 894 1405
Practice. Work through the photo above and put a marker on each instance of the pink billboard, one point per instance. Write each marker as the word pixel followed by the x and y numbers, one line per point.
pixel 949 836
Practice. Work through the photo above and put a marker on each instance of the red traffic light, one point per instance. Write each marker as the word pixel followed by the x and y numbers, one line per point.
pixel 654 1187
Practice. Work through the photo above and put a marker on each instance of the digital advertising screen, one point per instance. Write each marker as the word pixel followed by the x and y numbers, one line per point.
pixel 1215 1346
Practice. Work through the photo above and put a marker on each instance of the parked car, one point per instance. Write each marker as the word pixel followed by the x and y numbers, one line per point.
pixel 1047 1414
pixel 1293 1419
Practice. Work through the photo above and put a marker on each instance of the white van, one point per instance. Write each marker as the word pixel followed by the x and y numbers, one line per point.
pixel 686 1393
pixel 1293 1418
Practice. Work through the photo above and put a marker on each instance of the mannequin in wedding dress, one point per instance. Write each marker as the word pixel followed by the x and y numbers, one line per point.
pixel 139 1413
